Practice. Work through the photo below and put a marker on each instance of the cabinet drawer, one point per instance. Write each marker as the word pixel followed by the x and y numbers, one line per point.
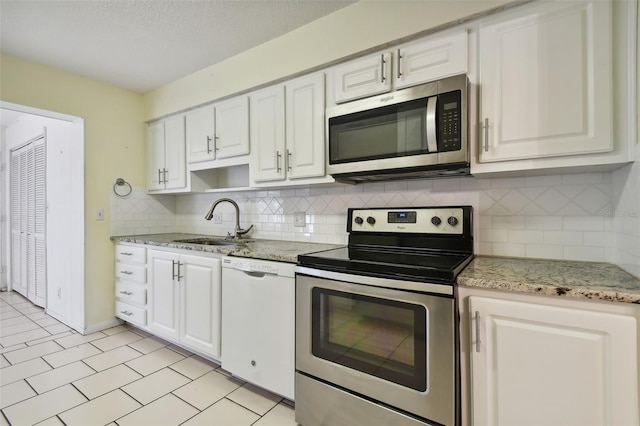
pixel 131 254
pixel 128 272
pixel 131 313
pixel 131 293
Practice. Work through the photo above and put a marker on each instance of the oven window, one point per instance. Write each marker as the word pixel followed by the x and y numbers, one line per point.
pixel 381 337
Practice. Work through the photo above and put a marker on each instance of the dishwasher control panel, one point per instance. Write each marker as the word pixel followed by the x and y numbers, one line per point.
pixel 247 265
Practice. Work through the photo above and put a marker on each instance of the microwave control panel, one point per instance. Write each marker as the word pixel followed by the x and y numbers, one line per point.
pixel 450 121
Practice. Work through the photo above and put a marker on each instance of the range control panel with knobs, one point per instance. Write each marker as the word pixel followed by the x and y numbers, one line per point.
pixel 427 220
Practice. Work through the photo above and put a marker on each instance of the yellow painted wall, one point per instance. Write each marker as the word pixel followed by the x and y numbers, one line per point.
pixel 114 147
pixel 358 27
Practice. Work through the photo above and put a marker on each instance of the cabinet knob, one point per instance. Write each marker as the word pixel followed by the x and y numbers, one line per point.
pixel 253 363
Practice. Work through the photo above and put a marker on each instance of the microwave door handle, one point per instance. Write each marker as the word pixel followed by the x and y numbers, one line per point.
pixel 432 140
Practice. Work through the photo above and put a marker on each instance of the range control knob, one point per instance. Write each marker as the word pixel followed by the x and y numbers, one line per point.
pixel 358 220
pixel 436 220
pixel 453 221
pixel 371 220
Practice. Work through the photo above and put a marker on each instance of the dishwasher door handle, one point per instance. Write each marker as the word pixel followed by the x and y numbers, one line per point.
pixel 254 274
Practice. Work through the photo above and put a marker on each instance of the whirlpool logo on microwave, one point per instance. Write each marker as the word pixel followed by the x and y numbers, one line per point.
pixel 386 98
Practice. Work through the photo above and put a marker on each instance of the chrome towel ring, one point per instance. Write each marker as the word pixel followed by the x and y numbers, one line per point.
pixel 122 182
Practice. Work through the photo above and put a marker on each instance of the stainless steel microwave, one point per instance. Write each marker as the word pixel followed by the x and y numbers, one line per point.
pixel 415 132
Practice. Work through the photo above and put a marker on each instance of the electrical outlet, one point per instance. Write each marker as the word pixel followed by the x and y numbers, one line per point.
pixel 217 218
pixel 99 214
pixel 299 219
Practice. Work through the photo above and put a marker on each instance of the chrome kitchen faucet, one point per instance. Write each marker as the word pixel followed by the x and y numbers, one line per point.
pixel 238 232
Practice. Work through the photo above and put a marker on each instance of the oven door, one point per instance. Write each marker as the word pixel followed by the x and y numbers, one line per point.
pixel 365 336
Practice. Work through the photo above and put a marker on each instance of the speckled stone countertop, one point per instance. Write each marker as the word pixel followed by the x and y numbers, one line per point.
pixel 281 251
pixel 582 280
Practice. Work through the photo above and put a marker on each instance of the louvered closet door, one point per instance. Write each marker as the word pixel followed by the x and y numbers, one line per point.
pixel 16 220
pixel 40 212
pixel 24 207
pixel 31 226
pixel 28 218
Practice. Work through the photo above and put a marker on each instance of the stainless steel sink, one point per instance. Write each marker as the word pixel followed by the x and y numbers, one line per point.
pixel 212 241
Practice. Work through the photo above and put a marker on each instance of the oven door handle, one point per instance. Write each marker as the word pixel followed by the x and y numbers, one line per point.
pixel 396 284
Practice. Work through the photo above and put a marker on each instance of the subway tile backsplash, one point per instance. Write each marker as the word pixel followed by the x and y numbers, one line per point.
pixel 555 217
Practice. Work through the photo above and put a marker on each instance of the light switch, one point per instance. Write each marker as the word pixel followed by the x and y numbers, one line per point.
pixel 99 214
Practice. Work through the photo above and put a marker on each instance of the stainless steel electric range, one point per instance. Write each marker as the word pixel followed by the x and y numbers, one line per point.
pixel 377 321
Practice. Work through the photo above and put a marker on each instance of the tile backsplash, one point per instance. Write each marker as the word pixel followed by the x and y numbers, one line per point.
pixel 556 217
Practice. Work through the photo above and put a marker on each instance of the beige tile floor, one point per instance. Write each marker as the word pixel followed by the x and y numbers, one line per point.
pixel 51 375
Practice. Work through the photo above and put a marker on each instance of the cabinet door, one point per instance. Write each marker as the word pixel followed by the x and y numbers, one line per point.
pixel 175 158
pixel 305 127
pixel 431 59
pixel 200 288
pixel 362 77
pixel 199 135
pixel 164 296
pixel 267 134
pixel 545 81
pixel 155 155
pixel 232 127
pixel 545 365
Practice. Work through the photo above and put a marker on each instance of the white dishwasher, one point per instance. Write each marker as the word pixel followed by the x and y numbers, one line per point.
pixel 258 322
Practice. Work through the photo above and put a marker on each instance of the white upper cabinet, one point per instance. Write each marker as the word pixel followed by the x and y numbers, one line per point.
pixel 546 81
pixel 166 158
pixel 218 131
pixel 305 127
pixel 421 61
pixel 287 131
pixel 367 76
pixel 200 130
pixel 535 364
pixel 267 134
pixel 430 59
pixel 232 127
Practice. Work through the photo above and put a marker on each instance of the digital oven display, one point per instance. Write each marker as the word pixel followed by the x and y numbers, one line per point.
pixel 401 217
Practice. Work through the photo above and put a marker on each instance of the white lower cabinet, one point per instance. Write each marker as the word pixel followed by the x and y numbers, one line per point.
pixel 536 364
pixel 184 300
pixel 131 284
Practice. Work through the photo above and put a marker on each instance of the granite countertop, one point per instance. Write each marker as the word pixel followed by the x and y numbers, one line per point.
pixel 582 280
pixel 276 250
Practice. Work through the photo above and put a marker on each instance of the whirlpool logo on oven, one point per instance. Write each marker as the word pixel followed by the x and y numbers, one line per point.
pixel 386 98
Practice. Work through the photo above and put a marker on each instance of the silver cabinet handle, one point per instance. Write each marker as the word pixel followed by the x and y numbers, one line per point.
pixel 128 293
pixel 278 157
pixel 126 272
pixel 477 331
pixel 399 56
pixel 164 173
pixel 382 62
pixel 208 144
pixel 179 265
pixel 127 313
pixel 126 253
pixel 288 160
pixel 159 177
pixel 215 143
pixel 173 269
pixel 486 134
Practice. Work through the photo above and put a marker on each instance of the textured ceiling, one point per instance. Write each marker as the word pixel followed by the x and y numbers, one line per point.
pixel 143 44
